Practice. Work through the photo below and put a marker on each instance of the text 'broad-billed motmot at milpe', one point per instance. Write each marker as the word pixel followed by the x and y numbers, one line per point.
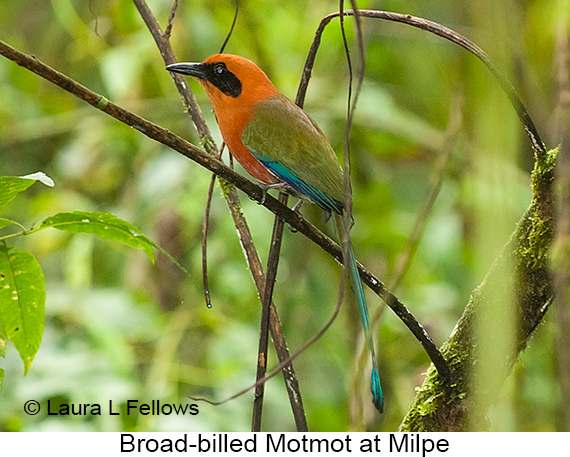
pixel 279 144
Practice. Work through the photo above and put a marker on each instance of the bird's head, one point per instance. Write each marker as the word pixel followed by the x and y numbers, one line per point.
pixel 228 79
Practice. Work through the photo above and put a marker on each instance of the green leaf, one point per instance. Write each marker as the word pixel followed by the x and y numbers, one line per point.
pixel 104 225
pixel 22 301
pixel 10 186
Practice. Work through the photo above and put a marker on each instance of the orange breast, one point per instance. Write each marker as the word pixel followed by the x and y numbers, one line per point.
pixel 233 115
pixel 231 132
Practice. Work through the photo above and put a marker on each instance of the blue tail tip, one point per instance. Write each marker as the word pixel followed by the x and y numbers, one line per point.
pixel 376 389
pixel 378 402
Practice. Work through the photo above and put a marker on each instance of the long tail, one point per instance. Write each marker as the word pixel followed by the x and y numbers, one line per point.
pixel 375 387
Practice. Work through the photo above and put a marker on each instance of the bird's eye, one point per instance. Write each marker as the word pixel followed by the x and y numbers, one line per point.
pixel 219 68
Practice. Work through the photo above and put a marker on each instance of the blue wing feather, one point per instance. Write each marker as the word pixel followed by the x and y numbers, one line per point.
pixel 320 198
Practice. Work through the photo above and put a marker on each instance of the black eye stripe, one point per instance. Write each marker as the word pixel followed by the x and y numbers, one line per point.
pixel 220 76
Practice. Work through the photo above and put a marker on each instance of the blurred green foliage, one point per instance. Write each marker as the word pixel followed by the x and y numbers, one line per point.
pixel 119 327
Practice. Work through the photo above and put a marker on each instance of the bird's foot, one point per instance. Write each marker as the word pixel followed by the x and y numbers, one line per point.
pixel 297 210
pixel 266 187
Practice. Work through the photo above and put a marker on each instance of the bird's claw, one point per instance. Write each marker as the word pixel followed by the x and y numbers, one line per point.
pixel 297 209
pixel 265 187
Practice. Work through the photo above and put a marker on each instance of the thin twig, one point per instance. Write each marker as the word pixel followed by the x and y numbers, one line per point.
pixel 261 361
pixel 272 264
pixel 231 28
pixel 205 235
pixel 205 242
pixel 168 28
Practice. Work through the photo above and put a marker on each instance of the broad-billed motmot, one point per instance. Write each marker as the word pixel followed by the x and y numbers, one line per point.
pixel 279 144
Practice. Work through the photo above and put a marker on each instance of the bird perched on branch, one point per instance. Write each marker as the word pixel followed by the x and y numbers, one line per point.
pixel 279 144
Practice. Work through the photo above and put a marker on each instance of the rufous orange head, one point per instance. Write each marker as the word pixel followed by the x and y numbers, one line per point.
pixel 230 81
pixel 234 85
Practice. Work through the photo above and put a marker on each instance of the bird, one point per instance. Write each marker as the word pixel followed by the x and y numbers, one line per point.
pixel 279 144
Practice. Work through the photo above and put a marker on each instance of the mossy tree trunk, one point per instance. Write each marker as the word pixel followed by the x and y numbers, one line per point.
pixel 521 271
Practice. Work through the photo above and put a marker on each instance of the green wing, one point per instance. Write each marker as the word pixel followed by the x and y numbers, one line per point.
pixel 292 146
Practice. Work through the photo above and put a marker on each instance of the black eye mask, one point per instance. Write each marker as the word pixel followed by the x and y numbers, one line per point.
pixel 218 74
